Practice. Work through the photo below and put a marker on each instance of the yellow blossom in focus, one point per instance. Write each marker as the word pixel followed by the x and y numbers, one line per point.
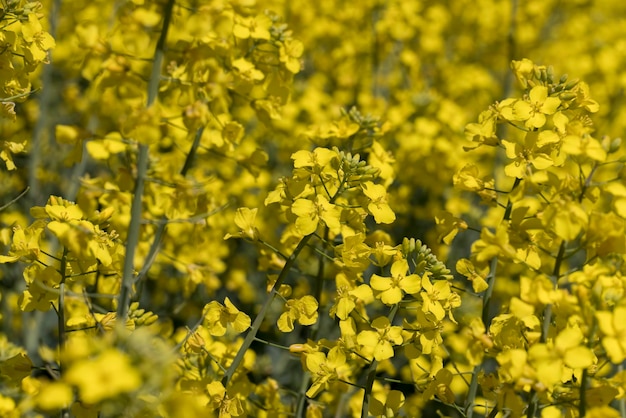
pixel 381 341
pixel 390 289
pixel 217 318
pixel 303 310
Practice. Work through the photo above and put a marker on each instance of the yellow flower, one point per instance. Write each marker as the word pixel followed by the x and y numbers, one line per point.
pixel 54 396
pixel 218 317
pixel 257 27
pixel 467 179
pixel 378 205
pixel 534 110
pixel 389 289
pixel 309 213
pixel 448 226
pixel 40 40
pixel 290 52
pixel 434 296
pixel 8 407
pixel 247 71
pixel 556 361
pixel 245 220
pixel 386 404
pixel 325 369
pixel 303 310
pixel 104 377
pixel 348 294
pixel 613 327
pixel 220 400
pixel 381 341
pixel 531 151
pixel 477 276
pixel 25 243
pixel 440 387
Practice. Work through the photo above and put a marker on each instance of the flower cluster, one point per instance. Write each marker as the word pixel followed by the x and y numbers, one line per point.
pixel 212 208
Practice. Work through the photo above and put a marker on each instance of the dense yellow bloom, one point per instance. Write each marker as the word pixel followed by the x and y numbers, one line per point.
pixel 7 407
pixel 613 327
pixel 110 374
pixel 552 361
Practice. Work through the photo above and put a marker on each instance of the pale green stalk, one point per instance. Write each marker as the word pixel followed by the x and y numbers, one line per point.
pixel 254 328
pixel 61 315
pixel 312 330
pixel 507 87
pixel 142 168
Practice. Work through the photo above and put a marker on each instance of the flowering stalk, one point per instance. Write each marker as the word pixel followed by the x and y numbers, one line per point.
pixel 142 167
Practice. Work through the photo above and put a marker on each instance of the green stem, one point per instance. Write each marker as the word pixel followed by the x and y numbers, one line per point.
pixel 61 309
pixel 142 168
pixel 584 381
pixel 622 400
pixel 547 312
pixel 487 316
pixel 61 317
pixel 155 75
pixel 15 199
pixel 256 325
pixel 311 332
pixel 533 404
pixel 133 237
pixel 158 235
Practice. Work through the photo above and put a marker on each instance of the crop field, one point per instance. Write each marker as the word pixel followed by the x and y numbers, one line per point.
pixel 296 209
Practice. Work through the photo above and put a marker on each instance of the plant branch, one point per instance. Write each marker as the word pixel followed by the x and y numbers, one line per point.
pixel 142 168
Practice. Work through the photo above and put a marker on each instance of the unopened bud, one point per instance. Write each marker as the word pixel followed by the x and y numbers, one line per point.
pixel 615 145
pixel 567 95
pixel 550 75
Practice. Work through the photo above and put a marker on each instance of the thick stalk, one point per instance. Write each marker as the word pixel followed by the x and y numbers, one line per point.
pixel 142 168
pixel 250 337
pixel 311 332
pixel 621 402
pixel 61 317
pixel 158 235
pixel 487 315
pixel 133 237
pixel 256 325
pixel 61 307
